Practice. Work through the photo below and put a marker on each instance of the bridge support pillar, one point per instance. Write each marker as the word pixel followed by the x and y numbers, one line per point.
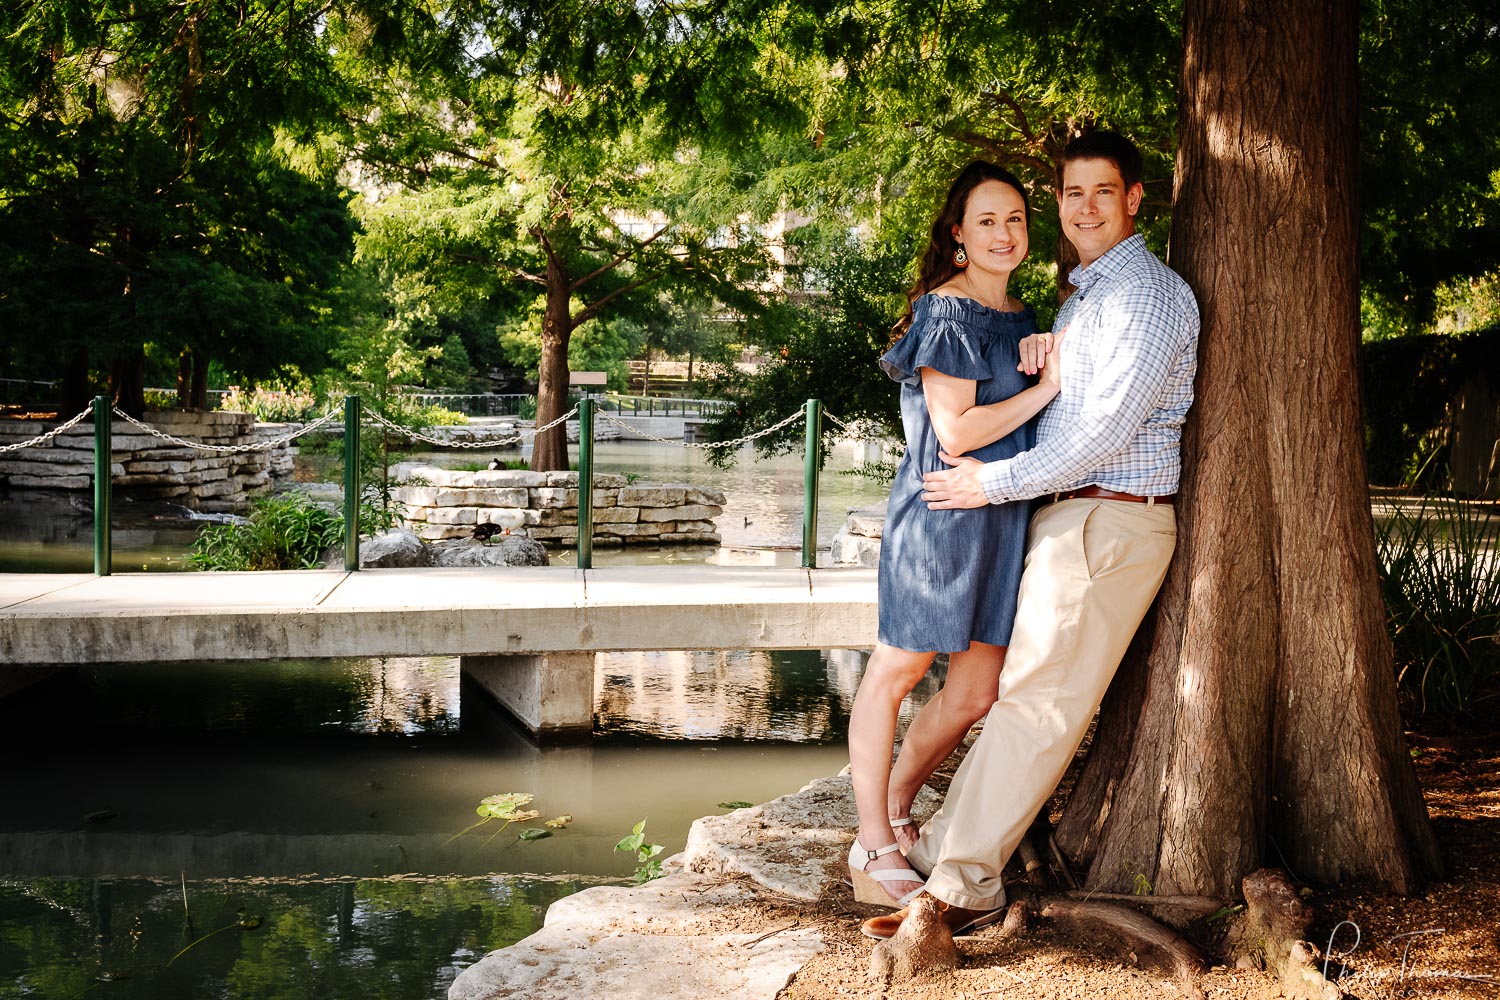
pixel 551 694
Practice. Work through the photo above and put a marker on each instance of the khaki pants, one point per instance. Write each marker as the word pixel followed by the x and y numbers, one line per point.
pixel 1092 569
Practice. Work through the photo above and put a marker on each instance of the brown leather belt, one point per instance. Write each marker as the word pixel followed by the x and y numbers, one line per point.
pixel 1099 492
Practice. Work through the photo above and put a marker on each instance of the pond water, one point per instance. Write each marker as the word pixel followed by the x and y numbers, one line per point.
pixel 287 829
pixel 319 800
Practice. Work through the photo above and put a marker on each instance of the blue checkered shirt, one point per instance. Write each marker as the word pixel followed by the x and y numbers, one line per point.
pixel 1128 362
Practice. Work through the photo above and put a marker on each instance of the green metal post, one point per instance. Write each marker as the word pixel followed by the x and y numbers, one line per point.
pixel 812 461
pixel 586 483
pixel 351 482
pixel 103 459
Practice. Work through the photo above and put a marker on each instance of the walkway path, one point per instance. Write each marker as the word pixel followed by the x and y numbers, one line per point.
pixel 59 618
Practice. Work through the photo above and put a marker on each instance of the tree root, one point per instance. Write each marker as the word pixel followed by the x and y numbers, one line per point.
pixel 922 945
pixel 1178 911
pixel 1152 945
pixel 1270 934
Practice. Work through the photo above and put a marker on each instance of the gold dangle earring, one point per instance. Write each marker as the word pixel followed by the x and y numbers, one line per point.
pixel 960 258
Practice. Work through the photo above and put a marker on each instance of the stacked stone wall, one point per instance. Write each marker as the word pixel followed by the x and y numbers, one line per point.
pixel 145 466
pixel 544 505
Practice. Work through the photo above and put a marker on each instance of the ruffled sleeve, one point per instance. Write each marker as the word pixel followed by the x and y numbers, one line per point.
pixel 942 343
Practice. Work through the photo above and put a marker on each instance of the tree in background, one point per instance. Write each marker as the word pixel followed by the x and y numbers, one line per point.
pixel 897 99
pixel 153 191
pixel 531 163
pixel 1429 140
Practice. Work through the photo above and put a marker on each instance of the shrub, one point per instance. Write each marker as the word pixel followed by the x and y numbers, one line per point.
pixel 274 403
pixel 161 399
pixel 286 531
pixel 433 416
pixel 1440 574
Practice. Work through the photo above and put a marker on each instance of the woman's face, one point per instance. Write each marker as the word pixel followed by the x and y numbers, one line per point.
pixel 993 230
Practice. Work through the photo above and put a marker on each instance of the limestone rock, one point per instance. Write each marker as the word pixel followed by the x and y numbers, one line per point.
pixel 792 845
pixel 687 512
pixel 858 541
pixel 650 941
pixel 507 550
pixel 396 548
pixel 867 521
pixel 854 550
pixel 651 496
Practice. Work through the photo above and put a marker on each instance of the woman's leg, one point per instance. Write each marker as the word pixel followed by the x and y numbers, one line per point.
pixel 889 677
pixel 969 691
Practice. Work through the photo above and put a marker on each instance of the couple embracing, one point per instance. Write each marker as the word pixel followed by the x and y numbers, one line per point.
pixel 1027 550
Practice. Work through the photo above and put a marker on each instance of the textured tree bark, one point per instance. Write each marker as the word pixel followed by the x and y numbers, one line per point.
pixel 1255 721
pixel 128 382
pixel 550 448
pixel 185 380
pixel 77 388
pixel 198 397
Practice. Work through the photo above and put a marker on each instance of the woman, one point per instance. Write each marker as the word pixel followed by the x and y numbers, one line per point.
pixel 948 579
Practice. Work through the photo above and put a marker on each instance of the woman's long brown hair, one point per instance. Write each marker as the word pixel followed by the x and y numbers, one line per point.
pixel 937 267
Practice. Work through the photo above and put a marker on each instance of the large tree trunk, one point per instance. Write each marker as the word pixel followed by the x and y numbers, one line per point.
pixel 550 450
pixel 185 380
pixel 77 389
pixel 1256 721
pixel 127 381
pixel 198 398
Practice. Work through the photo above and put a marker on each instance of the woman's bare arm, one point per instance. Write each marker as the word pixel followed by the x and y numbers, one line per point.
pixel 962 425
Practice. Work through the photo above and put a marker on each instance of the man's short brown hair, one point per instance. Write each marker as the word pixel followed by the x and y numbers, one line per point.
pixel 1104 145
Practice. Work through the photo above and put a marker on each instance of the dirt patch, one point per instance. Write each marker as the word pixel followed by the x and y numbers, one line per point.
pixel 1445 943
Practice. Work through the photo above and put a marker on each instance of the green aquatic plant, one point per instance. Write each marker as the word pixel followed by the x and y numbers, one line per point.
pixel 647 867
pixel 506 808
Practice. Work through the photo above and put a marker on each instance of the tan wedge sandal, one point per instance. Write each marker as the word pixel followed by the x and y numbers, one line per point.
pixel 867 884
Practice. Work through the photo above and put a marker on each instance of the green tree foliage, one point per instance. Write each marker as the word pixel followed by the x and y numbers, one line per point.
pixel 527 164
pixel 152 189
pixel 823 348
pixel 1430 147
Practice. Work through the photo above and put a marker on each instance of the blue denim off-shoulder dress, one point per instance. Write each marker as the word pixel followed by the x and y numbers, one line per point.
pixel 950 577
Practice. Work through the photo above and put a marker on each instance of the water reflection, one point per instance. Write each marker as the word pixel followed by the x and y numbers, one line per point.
pixel 803 696
pixel 368 938
pixel 50 532
pixel 324 796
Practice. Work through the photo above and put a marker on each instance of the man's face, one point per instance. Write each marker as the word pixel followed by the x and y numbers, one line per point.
pixel 1096 209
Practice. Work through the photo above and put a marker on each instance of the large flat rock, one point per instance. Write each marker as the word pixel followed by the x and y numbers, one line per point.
pixel 654 941
pixel 794 845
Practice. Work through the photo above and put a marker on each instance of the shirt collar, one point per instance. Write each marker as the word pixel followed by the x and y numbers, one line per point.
pixel 1113 261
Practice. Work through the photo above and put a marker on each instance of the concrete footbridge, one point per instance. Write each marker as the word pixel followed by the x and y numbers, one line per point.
pixel 527 635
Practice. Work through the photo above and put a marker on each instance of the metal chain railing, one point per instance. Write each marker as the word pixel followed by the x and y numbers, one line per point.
pixel 449 443
pixel 227 449
pixel 636 432
pixel 48 436
pixel 859 427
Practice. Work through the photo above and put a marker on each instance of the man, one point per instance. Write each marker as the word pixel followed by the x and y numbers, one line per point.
pixel 1106 465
